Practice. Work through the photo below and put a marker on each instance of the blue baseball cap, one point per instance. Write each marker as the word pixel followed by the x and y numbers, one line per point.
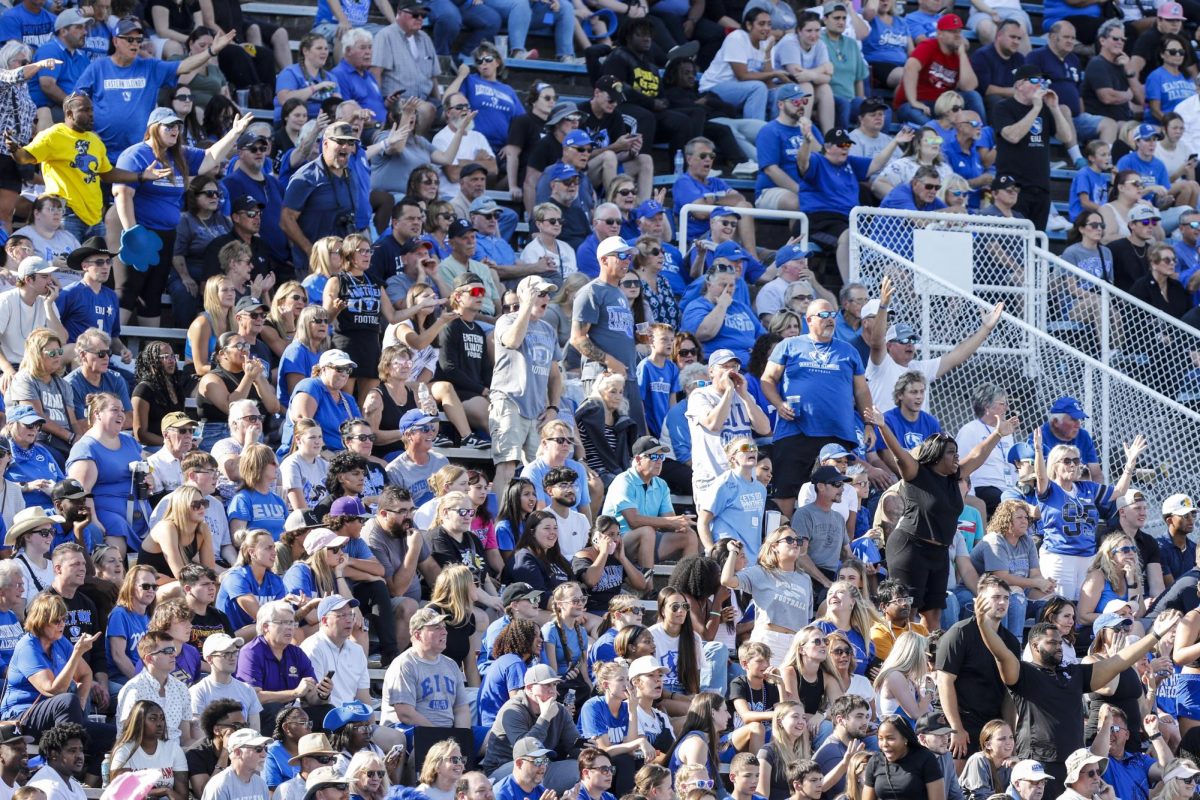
pixel 722 356
pixel 577 138
pixel 831 451
pixel 1148 131
pixel 1021 451
pixel 650 208
pixel 25 415
pixel 731 251
pixel 413 418
pixel 790 90
pixel 333 603
pixel 790 252
pixel 167 116
pixel 343 715
pixel 562 172
pixel 724 211
pixel 1110 621
pixel 1069 406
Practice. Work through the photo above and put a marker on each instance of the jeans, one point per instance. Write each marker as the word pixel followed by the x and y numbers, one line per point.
pixel 714 668
pixel 184 305
pixel 745 131
pixel 561 23
pixel 959 602
pixel 1014 623
pixel 971 100
pixel 752 97
pixel 80 229
pixel 448 21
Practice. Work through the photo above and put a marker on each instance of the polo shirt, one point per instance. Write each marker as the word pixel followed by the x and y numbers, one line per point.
pixel 65 74
pixel 348 664
pixel 320 198
pixel 259 667
pixel 360 86
pixel 1129 775
pixel 1176 562
pixel 628 491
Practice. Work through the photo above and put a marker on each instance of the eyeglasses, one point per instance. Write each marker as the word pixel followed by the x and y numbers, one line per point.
pixel 252 418
pixel 465 513
pixel 288 623
pixel 237 346
pixel 902 601
pixel 399 511
pixel 455 759
pixel 54 352
pixel 552 220
pixel 343 370
pixel 575 601
pixel 606 769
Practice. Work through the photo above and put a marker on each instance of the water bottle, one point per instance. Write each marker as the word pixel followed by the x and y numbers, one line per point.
pixel 425 400
pixel 569 700
pixel 678 162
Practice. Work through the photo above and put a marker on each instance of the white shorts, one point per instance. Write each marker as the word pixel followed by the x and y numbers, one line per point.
pixel 1005 13
pixel 1067 571
pixel 773 198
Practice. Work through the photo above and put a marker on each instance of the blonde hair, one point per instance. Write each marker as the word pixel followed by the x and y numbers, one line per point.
pixel 349 246
pixel 249 542
pixel 320 261
pixel 449 500
pixel 129 585
pixel 283 293
pixel 302 426
pixel 452 592
pixel 908 657
pixel 1103 561
pixel 444 477
pixel 1057 454
pixel 788 751
pixel 179 509
pixel 688 773
pixel 1175 788
pixel 362 761
pixel 862 616
pixel 307 315
pixel 168 612
pixel 46 608
pixel 433 757
pixel 220 319
pixel 607 671
pixel 252 464
pixel 33 360
pixel 767 557
pixel 95 403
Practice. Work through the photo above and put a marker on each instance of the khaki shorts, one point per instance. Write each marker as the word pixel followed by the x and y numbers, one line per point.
pixel 514 437
pixel 773 197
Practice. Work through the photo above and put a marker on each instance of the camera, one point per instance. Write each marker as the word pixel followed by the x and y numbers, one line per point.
pixel 140 470
pixel 344 223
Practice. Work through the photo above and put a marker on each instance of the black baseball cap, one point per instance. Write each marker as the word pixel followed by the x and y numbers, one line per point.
pixel 245 203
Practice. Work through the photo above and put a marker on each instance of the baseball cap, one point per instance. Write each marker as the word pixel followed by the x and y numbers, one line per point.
pixel 535 283
pixel 934 723
pixel 648 445
pixel 1142 212
pixel 163 116
pixel 426 617
pixel 250 137
pixel 645 665
pixel 467 279
pixel 1129 498
pixel 724 211
pixel 540 674
pixel 176 419
pixel 790 252
pixel 246 203
pixel 34 265
pixel 68 489
pixel 1180 771
pixel 71 16
pixel 519 591
pixel 411 5
pixel 321 538
pixel 335 358
pixel 414 418
pixel 1030 770
pixel 612 245
pixel 731 251
pixel 790 90
pixel 577 138
pixel 1110 621
pixel 722 356
pixel 831 451
pixel 1004 182
pixel 827 474
pixel 899 331
pixel 414 244
pixel 613 87
pixel 219 642
pixel 348 506
pixel 949 22
pixel 1069 405
pixel 341 132
pixel 650 208
pixel 1116 606
pixel 334 601
pixel 127 25
pixel 529 747
pixel 1021 451
pixel 460 227
pixel 246 737
pixel 471 169
pixel 483 205
pixel 1165 11
pixel 562 172
pixel 1148 131
pixel 25 414
pixel 1178 505
pixel 247 304
pixel 1027 71
pixel 871 105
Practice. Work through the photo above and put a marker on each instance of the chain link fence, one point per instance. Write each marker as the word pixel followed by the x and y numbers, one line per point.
pixel 948 270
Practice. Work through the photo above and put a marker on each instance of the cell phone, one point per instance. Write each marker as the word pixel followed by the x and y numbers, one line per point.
pixel 329 675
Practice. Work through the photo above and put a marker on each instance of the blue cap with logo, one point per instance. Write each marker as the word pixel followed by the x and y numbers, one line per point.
pixel 790 90
pixel 650 208
pixel 414 418
pixel 562 172
pixel 790 252
pixel 832 451
pixel 343 715
pixel 26 415
pixel 724 211
pixel 577 138
pixel 1021 451
pixel 1148 131
pixel 1069 406
pixel 731 251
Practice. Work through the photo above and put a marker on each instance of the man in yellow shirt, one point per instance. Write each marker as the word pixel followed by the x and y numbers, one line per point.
pixel 74 162
pixel 895 601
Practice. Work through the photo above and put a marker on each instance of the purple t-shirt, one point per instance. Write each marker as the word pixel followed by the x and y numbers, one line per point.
pixel 259 667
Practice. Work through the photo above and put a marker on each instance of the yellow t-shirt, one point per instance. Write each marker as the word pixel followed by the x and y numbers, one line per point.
pixel 71 164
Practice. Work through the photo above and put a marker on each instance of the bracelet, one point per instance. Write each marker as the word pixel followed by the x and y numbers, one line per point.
pixel 1155 737
pixel 211 54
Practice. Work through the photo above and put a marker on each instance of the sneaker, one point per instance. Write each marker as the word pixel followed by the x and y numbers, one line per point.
pixel 746 168
pixel 576 60
pixel 443 441
pixel 477 441
pixel 523 55
pixel 1057 222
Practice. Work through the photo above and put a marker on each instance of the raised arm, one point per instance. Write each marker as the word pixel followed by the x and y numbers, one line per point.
pixel 1008 664
pixel 904 459
pixel 979 454
pixel 967 347
pixel 1105 670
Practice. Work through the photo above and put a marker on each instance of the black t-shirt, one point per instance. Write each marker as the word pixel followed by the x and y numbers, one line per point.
pixel 458 637
pixel 1029 159
pixel 1102 74
pixel 463 358
pixel 261 262
pixel 905 779
pixel 525 132
pixel 180 16
pixel 1177 302
pixel 1049 716
pixel 202 758
pixel 977 683
pixel 608 587
pixel 763 699
pixel 1146 46
pixel 603 130
pixel 204 625
pixel 468 552
pixel 1129 263
pixel 547 151
pixel 159 402
pixel 83 619
pixel 932 504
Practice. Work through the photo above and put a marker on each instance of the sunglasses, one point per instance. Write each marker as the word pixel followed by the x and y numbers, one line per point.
pixel 1072 461
pixel 630 284
pixel 613 221
pixel 169 650
pixel 476 291
pixel 199 504
pixel 465 513
pixel 54 352
pixel 540 761
pixel 360 437
pixel 99 353
pixel 841 651
pixel 746 448
pixel 792 540
pixel 703 783
pixel 704 156
pixel 932 187
pixel 1125 549
pixel 654 251
pixel 98 262
pixel 558 439
pixel 373 773
pixel 252 418
pixel 459 107
pixel 687 351
pixel 552 220
pixel 133 39
pixel 416 14
pixel 46 532
pixel 487 59
pixel 606 769
pixel 825 314
pixel 678 607
pixel 656 457
pixel 1149 223
pixel 320 321
pixel 907 340
pixel 1096 226
pixel 626 192
pixel 324 760
pixel 145 587
pixel 257 149
pixel 212 193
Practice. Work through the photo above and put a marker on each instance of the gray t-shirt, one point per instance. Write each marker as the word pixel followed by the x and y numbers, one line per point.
pixel 403 471
pixel 208 690
pixel 390 552
pixel 296 473
pixel 55 396
pixel 993 552
pixel 523 374
pixel 784 598
pixel 826 534
pixel 605 308
pixel 434 688
pixel 226 785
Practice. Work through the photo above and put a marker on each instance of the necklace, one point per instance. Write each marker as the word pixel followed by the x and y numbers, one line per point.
pixel 21 327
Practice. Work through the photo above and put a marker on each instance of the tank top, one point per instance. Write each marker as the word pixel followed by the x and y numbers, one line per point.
pixel 389 417
pixel 362 298
pixel 211 413
pixel 159 560
pixel 811 694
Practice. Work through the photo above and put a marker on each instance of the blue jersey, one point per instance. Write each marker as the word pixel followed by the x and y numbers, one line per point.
pixel 818 382
pixel 658 385
pixel 80 308
pixel 264 510
pixel 1093 185
pixel 597 719
pixel 886 44
pixel 911 434
pixel 1069 520
pixel 1169 90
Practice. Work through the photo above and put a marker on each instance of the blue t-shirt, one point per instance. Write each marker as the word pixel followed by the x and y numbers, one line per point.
pixel 497 104
pixel 264 510
pixel 132 627
pixel 921 24
pixel 110 381
pixel 269 192
pixel 597 719
pixel 576 644
pixel 330 414
pixel 825 187
pixel 911 434
pixel 66 74
pixel 1054 10
pixel 738 331
pixel 35 464
pixel 158 204
pixel 1083 442
pixel 293 78
pixel 674 269
pixel 689 190
pixel 822 375
pixel 507 788
pixel 658 385
pixel 1091 183
pixel 503 675
pixel 277 770
pixel 297 359
pixel 886 44
pixel 1169 90
pixel 738 506
pixel 681 439
pixel 864 649
pixel 80 308
pixel 1064 74
pixel 1154 169
pixel 10 633
pixel 29 658
pixel 98 41
pixel 240 581
pixel 968 165
pixel 321 198
pixel 123 98
pixel 777 145
pixel 1069 520
pixel 32 29
pixel 902 197
pixel 603 649
pixel 114 483
pixel 360 87
pixel 299 579
pixel 536 470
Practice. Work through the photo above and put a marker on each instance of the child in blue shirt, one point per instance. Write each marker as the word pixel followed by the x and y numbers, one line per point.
pixel 1090 186
pixel 658 378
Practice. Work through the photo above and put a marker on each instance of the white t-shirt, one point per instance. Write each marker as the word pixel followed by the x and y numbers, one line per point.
pixel 207 689
pixel 708 449
pixel 61 244
pixel 572 532
pixel 563 253
pixel 666 651
pixel 17 321
pixel 882 377
pixel 771 296
pixel 37 578
pixel 472 142
pixel 54 787
pixel 790 52
pixel 995 470
pixel 736 49
pixel 168 759
pixel 903 169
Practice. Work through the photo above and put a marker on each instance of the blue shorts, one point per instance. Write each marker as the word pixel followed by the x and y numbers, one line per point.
pixel 1087 126
pixel 1187 699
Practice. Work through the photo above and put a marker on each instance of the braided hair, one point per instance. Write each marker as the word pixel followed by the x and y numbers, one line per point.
pixel 148 369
